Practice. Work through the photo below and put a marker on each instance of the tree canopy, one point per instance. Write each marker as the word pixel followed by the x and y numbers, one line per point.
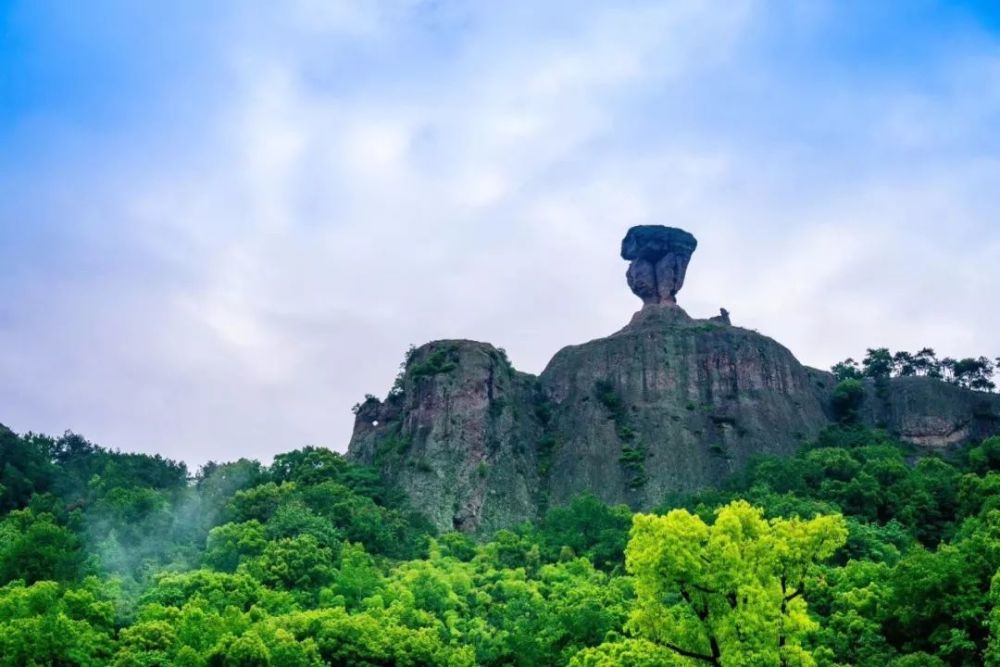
pixel 858 550
pixel 976 373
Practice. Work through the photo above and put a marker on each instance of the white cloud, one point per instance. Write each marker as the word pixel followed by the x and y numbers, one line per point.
pixel 380 174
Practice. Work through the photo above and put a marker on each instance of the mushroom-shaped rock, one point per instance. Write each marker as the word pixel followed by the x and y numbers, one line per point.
pixel 658 259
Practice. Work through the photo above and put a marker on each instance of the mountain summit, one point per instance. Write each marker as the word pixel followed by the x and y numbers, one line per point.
pixel 669 403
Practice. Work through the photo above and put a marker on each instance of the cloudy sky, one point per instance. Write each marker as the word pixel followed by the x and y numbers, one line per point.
pixel 222 223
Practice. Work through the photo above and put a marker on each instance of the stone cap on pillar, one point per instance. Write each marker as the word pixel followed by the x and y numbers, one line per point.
pixel 658 260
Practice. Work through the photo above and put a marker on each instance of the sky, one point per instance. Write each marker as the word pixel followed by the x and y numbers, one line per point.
pixel 223 223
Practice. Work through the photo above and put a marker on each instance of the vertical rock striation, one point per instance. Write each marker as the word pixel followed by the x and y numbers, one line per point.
pixel 455 434
pixel 672 404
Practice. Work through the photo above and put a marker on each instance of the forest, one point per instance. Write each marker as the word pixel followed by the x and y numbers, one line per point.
pixel 855 551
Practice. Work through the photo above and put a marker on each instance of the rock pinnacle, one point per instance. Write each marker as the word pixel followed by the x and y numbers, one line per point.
pixel 658 259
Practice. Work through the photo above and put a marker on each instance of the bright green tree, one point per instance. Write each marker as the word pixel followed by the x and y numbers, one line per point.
pixel 44 624
pixel 728 594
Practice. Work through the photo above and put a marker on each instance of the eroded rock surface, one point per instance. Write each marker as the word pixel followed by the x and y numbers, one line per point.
pixel 930 413
pixel 672 404
pixel 456 435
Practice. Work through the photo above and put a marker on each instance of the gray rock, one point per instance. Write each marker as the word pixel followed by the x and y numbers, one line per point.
pixel 658 259
pixel 685 403
pixel 722 317
pixel 457 436
pixel 930 413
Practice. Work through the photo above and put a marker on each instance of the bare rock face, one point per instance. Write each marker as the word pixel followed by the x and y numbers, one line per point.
pixel 671 404
pixel 456 434
pixel 930 413
pixel 658 259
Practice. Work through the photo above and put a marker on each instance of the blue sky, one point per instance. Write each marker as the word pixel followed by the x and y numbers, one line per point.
pixel 221 224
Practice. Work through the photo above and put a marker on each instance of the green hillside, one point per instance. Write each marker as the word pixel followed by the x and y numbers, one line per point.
pixel 851 552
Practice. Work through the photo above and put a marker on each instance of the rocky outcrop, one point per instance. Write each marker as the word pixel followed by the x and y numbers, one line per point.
pixel 922 411
pixel 672 404
pixel 667 404
pixel 930 413
pixel 658 260
pixel 456 434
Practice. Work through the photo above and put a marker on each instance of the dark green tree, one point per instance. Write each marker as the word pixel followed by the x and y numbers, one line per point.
pixel 878 363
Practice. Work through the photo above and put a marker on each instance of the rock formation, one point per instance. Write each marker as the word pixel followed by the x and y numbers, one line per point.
pixel 669 403
pixel 929 413
pixel 457 434
pixel 658 259
pixel 722 317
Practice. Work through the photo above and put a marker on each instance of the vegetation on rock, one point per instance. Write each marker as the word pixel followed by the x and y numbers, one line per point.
pixel 441 360
pixel 633 455
pixel 976 373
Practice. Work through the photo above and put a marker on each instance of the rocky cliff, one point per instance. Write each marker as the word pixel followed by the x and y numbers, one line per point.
pixel 669 403
pixel 930 413
pixel 458 434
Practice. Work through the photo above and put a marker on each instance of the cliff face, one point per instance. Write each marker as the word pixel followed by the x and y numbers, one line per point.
pixel 457 435
pixel 672 404
pixel 931 413
pixel 667 404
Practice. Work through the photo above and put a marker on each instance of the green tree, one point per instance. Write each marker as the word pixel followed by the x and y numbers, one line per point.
pixel 25 469
pixel 590 529
pixel 847 369
pixel 245 651
pixel 146 644
pixel 992 655
pixel 357 577
pixel 985 456
pixel 925 362
pixel 848 396
pixel 971 373
pixel 629 652
pixel 230 544
pixel 298 564
pixel 730 593
pixel 44 624
pixel 878 363
pixel 939 600
pixel 33 547
pixel 904 364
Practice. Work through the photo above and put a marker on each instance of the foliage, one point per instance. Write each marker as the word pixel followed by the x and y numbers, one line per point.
pixel 436 362
pixel 729 593
pixel 848 396
pixel 854 551
pixel 847 370
pixel 976 373
pixel 634 453
pixel 47 623
pixel 587 527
